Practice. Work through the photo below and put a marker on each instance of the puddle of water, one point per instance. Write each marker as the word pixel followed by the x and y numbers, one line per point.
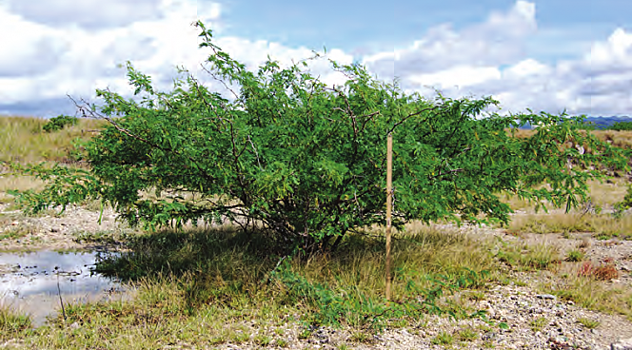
pixel 30 282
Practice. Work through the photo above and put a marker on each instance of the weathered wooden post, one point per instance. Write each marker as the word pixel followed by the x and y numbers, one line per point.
pixel 389 204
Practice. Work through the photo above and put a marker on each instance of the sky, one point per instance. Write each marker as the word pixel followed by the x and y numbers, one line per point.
pixel 545 55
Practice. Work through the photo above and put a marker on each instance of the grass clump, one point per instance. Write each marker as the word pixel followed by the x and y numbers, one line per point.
pixel 588 323
pixel 262 340
pixel 538 324
pixel 551 223
pixel 467 335
pixel 12 324
pixel 589 285
pixel 527 258
pixel 443 338
pixel 575 255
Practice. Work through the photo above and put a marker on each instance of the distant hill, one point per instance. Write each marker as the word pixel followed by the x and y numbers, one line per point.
pixel 604 122
pixel 599 122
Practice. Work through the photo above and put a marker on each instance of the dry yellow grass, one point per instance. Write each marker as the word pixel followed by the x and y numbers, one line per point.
pixel 21 183
pixel 622 139
pixel 22 139
pixel 589 291
pixel 600 225
pixel 602 194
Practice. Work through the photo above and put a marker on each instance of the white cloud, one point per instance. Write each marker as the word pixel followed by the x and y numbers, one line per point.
pixel 527 68
pixel 491 59
pixel 26 48
pixel 255 53
pixel 41 59
pixel 85 13
pixel 458 76
pixel 600 83
pixel 56 47
pixel 618 48
pixel 52 48
pixel 499 40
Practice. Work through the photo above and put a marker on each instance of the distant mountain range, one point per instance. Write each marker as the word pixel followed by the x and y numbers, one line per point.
pixel 604 122
pixel 600 122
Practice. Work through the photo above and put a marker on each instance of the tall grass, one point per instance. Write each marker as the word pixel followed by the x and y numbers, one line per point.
pixel 600 225
pixel 622 139
pixel 590 292
pixel 602 195
pixel 11 323
pixel 339 288
pixel 22 139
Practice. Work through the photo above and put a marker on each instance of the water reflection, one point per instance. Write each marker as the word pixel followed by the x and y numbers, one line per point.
pixel 31 282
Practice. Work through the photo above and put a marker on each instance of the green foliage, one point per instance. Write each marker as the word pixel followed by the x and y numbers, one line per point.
pixel 538 324
pixel 443 338
pixel 588 323
pixel 575 255
pixel 620 126
pixel 625 204
pixel 335 308
pixel 307 160
pixel 59 122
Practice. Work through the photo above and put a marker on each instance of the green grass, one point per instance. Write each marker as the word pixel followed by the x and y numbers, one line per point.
pixel 467 335
pixel 525 257
pixel 341 288
pixel 11 323
pixel 538 324
pixel 588 323
pixel 443 338
pixel 575 255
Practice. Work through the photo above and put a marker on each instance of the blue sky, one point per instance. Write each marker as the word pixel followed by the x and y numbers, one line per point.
pixel 357 24
pixel 546 55
pixel 564 27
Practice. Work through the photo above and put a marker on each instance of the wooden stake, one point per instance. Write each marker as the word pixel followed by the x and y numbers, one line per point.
pixel 389 204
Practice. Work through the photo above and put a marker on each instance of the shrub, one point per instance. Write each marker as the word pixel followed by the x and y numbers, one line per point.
pixel 605 271
pixel 59 122
pixel 307 160
pixel 619 126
